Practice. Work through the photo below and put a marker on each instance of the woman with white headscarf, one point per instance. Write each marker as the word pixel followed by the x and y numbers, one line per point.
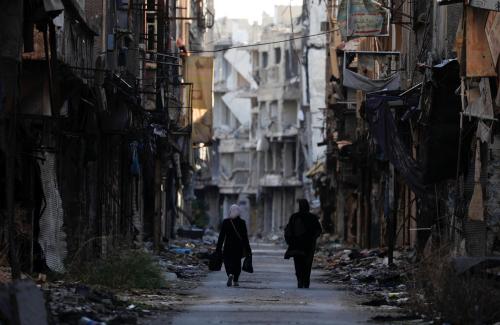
pixel 234 237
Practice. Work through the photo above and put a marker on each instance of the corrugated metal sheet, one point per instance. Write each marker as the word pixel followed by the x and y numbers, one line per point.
pixel 475 237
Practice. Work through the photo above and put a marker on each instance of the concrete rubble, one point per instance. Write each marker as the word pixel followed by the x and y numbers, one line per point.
pixel 367 273
pixel 184 265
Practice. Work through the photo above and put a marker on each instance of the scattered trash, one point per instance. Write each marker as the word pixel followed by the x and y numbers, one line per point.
pixel 181 250
pixel 183 264
pixel 88 321
pixel 210 237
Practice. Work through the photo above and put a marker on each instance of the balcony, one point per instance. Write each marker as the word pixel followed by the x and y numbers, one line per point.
pixel 277 180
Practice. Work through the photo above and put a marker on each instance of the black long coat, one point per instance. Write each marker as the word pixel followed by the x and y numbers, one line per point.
pixel 234 247
pixel 301 233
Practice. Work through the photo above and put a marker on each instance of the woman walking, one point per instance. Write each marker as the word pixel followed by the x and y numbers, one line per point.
pixel 300 234
pixel 234 237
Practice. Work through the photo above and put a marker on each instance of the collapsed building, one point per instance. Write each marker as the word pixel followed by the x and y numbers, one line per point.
pixel 97 122
pixel 278 164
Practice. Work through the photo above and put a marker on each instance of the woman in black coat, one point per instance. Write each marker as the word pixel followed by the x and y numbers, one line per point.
pixel 234 237
pixel 300 234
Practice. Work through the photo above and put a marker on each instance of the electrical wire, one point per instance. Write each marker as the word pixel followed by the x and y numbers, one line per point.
pixel 262 43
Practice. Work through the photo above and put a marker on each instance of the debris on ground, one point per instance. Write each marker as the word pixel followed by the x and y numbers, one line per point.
pixel 367 273
pixel 183 263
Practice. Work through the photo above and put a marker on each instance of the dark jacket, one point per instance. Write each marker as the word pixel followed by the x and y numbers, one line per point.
pixel 301 232
pixel 233 245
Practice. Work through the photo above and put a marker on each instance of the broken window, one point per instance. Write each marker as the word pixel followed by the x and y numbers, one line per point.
pixel 223 69
pixel 225 114
pixel 290 159
pixel 289 113
pixel 255 59
pixel 269 159
pixel 226 164
pixel 273 110
pixel 265 121
pixel 278 157
pixel 265 59
pixel 291 64
pixel 277 55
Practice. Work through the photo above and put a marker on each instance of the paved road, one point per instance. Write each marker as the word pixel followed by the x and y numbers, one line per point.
pixel 268 296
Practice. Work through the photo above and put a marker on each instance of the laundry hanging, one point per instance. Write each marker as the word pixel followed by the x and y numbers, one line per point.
pixel 380 66
pixel 385 131
pixel 52 238
pixel 354 80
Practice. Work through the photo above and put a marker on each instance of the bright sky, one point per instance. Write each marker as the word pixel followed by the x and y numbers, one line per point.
pixel 250 9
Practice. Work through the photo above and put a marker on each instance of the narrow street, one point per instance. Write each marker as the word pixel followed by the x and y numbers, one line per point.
pixel 268 296
pixel 141 140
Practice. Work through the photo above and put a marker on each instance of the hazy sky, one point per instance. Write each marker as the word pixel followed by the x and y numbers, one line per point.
pixel 250 9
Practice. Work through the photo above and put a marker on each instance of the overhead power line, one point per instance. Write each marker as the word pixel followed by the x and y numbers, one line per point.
pixel 262 43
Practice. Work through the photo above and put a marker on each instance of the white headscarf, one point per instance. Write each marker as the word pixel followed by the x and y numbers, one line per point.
pixel 234 211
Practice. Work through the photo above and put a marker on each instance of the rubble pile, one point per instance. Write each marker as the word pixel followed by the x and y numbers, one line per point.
pixel 367 272
pixel 183 263
pixel 187 258
pixel 69 302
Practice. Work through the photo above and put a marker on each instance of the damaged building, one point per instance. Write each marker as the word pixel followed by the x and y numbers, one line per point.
pixel 97 125
pixel 411 137
pixel 262 144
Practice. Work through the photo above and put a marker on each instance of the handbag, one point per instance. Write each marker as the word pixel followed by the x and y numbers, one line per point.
pixel 247 264
pixel 294 252
pixel 215 262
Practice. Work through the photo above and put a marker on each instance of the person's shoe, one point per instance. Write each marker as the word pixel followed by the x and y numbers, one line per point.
pixel 300 285
pixel 236 283
pixel 229 280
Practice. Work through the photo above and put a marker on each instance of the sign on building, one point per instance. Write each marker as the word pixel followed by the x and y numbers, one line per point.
pixel 486 4
pixel 358 18
pixel 199 71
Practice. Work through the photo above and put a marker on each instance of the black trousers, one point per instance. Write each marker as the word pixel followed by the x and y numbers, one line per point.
pixel 232 264
pixel 303 266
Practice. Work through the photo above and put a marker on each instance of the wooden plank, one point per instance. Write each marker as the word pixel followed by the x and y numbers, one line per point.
pixel 479 62
pixel 335 41
pixel 492 31
pixel 476 207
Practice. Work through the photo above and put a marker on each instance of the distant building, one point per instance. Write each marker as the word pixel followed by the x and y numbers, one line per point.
pixel 259 153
